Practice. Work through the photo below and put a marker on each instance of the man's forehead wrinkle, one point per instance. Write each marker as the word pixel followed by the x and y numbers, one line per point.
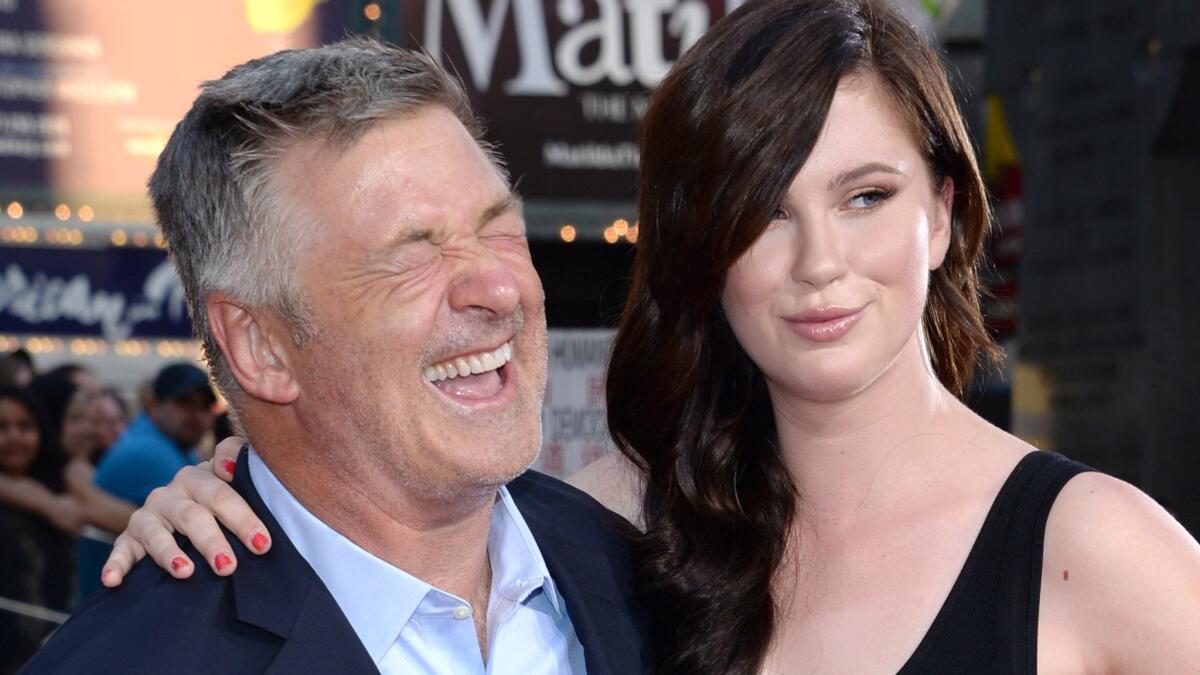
pixel 380 181
pixel 407 232
pixel 509 203
pixel 363 281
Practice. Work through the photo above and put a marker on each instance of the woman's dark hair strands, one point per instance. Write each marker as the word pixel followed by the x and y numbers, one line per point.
pixel 722 139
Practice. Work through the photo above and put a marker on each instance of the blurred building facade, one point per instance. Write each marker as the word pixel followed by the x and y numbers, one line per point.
pixel 1083 112
pixel 1102 98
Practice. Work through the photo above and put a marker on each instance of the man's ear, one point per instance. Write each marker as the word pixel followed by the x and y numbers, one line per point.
pixel 253 345
pixel 941 224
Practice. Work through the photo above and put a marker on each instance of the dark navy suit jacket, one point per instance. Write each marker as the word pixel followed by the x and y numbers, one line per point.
pixel 273 615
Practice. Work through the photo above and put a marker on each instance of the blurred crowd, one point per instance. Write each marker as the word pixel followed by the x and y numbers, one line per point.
pixel 76 459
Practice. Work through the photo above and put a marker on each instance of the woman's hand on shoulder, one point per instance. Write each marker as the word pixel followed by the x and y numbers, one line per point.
pixel 1129 575
pixel 191 504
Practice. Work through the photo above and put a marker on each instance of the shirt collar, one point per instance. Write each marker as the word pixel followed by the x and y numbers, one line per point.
pixel 518 568
pixel 358 580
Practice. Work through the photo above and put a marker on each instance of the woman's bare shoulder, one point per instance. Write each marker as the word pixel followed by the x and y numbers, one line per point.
pixel 1127 572
pixel 615 482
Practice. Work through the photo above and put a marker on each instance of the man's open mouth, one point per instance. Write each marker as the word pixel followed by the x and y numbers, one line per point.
pixel 471 376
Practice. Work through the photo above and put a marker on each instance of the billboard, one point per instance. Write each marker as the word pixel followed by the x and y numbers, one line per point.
pixel 574 417
pixel 562 85
pixel 90 91
pixel 124 293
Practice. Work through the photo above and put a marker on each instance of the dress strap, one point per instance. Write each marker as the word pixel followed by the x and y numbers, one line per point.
pixel 1038 480
pixel 989 622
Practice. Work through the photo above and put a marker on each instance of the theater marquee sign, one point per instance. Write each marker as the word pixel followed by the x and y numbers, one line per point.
pixel 562 85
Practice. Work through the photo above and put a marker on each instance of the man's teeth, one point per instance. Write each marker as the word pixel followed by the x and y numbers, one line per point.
pixel 469 365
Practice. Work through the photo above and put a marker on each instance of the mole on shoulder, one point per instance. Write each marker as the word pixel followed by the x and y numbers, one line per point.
pixel 1066 575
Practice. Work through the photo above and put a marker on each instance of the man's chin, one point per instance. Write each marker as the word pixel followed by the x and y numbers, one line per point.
pixel 501 469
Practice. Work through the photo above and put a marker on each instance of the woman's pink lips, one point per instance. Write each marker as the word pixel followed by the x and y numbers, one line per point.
pixel 824 324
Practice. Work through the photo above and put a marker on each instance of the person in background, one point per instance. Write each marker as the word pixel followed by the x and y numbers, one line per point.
pixel 35 560
pixel 42 489
pixel 71 410
pixel 144 395
pixel 26 358
pixel 15 372
pixel 111 418
pixel 223 427
pixel 157 443
pixel 161 439
pixel 83 377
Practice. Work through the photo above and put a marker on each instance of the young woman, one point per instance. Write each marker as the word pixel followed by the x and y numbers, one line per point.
pixel 36 561
pixel 803 313
pixel 62 489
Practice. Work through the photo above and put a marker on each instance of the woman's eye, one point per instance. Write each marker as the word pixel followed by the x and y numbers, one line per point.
pixel 778 217
pixel 868 199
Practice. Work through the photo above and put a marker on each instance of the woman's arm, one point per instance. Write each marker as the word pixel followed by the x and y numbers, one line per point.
pixel 615 482
pixel 63 511
pixel 100 508
pixel 1126 575
pixel 199 496
pixel 191 504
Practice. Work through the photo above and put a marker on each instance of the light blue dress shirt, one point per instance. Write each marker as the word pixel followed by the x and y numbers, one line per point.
pixel 408 626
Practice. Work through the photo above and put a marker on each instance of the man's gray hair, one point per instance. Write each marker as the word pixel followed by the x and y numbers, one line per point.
pixel 226 228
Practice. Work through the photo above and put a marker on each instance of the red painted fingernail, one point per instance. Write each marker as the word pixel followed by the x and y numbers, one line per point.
pixel 229 466
pixel 178 563
pixel 259 541
pixel 223 561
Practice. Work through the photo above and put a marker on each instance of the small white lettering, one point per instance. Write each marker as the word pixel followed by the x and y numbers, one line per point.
pixel 607 156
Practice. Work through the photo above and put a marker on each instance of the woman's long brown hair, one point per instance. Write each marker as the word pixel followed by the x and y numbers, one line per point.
pixel 723 137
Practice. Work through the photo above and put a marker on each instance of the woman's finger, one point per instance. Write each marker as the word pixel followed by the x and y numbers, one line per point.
pixel 224 461
pixel 198 524
pixel 150 528
pixel 126 552
pixel 232 510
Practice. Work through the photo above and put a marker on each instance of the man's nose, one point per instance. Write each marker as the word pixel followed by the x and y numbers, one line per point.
pixel 486 283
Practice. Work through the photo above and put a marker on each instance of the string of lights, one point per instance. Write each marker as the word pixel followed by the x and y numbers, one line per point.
pixel 92 346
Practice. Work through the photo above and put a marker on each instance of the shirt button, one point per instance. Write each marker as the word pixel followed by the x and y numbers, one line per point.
pixel 461 613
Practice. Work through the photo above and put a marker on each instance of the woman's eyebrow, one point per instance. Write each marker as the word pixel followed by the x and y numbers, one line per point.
pixel 866 169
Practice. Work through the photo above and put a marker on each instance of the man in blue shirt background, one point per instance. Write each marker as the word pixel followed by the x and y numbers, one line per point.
pixel 156 444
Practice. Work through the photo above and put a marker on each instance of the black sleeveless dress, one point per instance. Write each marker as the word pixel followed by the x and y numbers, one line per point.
pixel 989 623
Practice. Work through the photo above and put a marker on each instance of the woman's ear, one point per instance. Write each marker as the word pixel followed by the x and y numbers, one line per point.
pixel 254 346
pixel 941 225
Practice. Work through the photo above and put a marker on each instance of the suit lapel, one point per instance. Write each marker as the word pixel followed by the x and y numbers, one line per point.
pixel 321 641
pixel 590 610
pixel 595 590
pixel 278 592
